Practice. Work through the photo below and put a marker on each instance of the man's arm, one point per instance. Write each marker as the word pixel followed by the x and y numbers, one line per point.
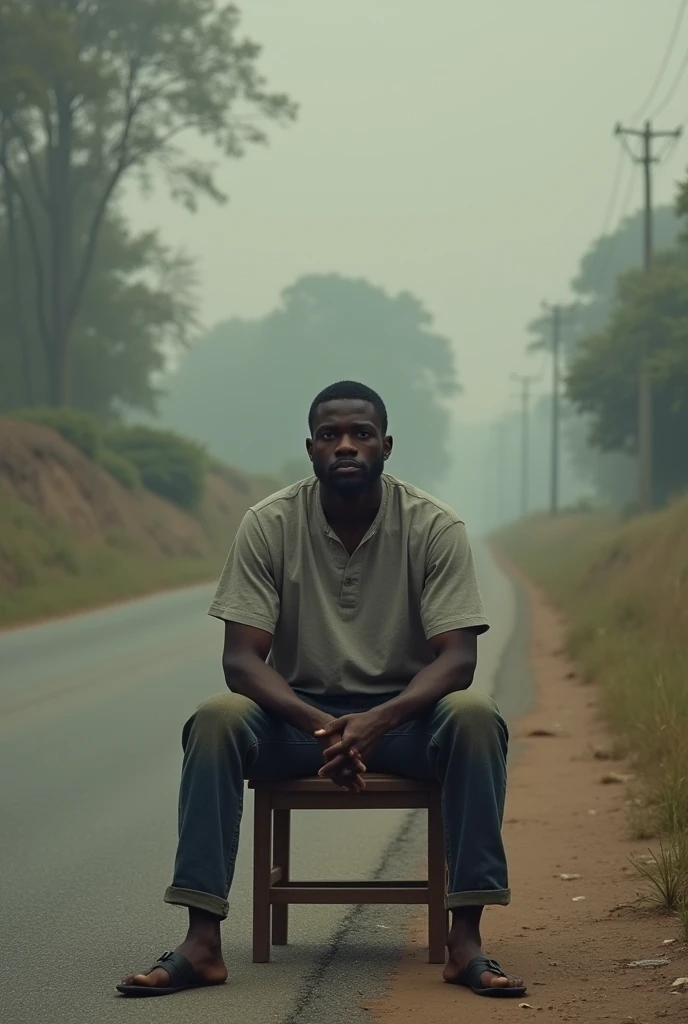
pixel 456 655
pixel 246 672
pixel 456 658
pixel 452 613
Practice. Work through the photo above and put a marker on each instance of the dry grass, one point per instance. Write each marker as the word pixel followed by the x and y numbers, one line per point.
pixel 624 588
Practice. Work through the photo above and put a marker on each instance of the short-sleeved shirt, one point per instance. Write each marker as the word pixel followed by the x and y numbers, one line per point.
pixel 350 624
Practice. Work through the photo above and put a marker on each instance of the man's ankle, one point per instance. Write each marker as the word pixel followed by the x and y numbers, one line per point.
pixel 204 930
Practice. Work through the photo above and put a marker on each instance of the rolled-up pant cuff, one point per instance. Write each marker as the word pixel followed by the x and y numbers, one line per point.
pixel 479 898
pixel 199 900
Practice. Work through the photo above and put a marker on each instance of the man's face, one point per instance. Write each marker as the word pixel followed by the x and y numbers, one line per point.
pixel 348 449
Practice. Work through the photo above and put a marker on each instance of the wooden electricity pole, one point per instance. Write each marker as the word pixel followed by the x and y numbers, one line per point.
pixel 644 414
pixel 525 383
pixel 558 314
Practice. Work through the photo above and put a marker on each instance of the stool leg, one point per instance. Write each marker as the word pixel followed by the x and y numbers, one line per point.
pixel 262 867
pixel 437 874
pixel 280 859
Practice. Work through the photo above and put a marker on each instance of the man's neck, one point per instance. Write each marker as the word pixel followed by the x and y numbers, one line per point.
pixel 351 511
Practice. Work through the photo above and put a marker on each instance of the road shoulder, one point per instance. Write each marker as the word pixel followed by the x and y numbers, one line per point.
pixel 571 938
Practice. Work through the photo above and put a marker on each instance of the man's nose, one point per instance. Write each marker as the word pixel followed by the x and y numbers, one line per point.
pixel 346 446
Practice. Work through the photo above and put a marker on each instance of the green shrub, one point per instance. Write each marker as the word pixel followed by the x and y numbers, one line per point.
pixel 169 465
pixel 123 470
pixel 79 428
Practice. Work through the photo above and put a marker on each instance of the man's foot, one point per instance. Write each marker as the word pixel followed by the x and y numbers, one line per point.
pixel 205 958
pixel 464 945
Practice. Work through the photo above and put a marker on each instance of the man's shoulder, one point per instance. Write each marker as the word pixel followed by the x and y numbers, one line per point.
pixel 421 507
pixel 285 501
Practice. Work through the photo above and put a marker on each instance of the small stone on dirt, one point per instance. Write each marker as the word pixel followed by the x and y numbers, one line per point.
pixel 569 878
pixel 602 754
pixel 680 985
pixel 543 732
pixel 615 778
pixel 577 899
pixel 650 964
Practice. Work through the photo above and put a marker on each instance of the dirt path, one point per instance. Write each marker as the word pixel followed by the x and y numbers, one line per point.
pixel 560 819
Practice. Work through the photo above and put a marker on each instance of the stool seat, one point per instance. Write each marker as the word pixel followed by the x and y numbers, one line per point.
pixel 273 888
pixel 374 784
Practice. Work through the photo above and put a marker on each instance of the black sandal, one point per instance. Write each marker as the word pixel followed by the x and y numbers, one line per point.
pixel 182 976
pixel 471 974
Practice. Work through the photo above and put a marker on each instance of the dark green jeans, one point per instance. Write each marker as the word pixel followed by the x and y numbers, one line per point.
pixel 462 742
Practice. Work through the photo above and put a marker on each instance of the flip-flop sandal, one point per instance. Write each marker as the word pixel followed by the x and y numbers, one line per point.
pixel 182 976
pixel 472 972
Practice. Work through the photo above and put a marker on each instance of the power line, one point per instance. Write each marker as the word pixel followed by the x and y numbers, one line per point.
pixel 664 63
pixel 611 202
pixel 672 88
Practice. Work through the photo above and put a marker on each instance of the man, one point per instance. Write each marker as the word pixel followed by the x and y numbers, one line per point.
pixel 351 613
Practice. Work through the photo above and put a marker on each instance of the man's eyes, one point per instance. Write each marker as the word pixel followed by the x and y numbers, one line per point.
pixel 329 435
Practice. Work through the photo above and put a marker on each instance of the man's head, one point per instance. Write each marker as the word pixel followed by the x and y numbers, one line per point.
pixel 348 445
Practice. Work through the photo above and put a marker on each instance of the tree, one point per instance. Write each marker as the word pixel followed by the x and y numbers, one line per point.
pixel 611 471
pixel 245 389
pixel 138 307
pixel 652 311
pixel 94 91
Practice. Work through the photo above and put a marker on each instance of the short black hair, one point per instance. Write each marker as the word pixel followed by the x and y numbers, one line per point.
pixel 349 389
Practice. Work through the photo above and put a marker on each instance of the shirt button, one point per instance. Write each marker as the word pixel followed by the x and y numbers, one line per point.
pixel 347 581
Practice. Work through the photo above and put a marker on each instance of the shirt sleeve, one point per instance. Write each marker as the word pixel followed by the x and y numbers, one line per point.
pixel 451 596
pixel 246 592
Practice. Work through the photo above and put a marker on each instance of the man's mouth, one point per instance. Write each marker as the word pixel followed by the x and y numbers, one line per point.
pixel 347 468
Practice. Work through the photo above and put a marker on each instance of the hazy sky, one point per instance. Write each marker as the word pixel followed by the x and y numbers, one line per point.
pixel 461 149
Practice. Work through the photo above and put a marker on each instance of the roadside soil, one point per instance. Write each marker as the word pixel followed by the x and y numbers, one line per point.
pixel 572 940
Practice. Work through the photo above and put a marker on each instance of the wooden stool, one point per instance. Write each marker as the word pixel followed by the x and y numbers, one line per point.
pixel 273 889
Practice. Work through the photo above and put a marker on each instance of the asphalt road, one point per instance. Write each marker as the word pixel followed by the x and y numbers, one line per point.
pixel 91 709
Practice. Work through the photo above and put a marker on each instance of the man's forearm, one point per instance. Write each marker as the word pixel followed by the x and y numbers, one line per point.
pixel 435 681
pixel 255 679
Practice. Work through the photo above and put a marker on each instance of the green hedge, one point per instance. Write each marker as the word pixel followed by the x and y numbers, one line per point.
pixel 79 428
pixel 123 470
pixel 168 464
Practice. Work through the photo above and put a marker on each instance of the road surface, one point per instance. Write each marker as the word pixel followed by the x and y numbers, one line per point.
pixel 91 709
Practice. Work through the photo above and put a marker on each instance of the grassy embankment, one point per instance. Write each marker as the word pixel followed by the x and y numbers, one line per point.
pixel 624 589
pixel 72 537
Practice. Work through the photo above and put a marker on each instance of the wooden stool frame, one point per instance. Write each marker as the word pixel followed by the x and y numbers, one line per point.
pixel 273 888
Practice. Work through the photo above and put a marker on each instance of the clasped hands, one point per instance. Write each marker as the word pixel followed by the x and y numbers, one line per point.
pixel 347 743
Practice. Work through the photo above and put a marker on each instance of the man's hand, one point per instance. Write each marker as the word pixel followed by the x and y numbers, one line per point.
pixel 350 774
pixel 350 740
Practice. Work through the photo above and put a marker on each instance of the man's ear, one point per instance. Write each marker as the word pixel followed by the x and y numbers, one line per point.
pixel 309 448
pixel 387 445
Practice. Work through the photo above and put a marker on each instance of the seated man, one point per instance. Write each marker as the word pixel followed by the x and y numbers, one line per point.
pixel 352 614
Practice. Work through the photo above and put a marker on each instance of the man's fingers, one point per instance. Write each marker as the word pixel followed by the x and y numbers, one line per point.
pixel 341 764
pixel 334 765
pixel 336 725
pixel 334 751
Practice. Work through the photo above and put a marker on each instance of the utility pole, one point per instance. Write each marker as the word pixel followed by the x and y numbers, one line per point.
pixel 498 491
pixel 557 313
pixel 525 383
pixel 645 414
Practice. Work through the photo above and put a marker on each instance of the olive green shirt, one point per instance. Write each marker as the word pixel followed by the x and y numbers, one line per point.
pixel 354 624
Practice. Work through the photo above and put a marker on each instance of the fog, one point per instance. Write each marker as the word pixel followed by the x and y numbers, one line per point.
pixel 460 151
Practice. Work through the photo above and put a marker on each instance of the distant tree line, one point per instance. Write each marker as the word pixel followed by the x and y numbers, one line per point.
pixel 326 327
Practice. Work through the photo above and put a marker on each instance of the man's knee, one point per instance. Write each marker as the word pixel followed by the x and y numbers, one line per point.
pixel 471 711
pixel 222 717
